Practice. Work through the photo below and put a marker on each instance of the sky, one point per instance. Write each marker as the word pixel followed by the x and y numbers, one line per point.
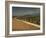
pixel 21 11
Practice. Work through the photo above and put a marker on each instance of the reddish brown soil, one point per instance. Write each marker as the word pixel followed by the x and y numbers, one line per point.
pixel 18 25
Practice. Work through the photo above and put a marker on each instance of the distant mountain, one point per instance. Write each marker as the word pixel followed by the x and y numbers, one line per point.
pixel 28 15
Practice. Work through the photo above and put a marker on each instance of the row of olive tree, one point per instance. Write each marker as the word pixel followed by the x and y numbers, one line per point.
pixel 33 19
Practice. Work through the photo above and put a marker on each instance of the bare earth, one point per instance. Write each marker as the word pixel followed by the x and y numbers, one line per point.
pixel 19 25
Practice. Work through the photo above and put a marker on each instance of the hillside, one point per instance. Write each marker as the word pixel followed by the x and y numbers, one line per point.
pixel 29 18
pixel 23 25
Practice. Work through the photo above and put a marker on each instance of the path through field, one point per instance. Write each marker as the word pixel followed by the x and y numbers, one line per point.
pixel 23 25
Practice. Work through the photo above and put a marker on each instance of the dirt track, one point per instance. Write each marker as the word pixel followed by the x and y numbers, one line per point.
pixel 19 25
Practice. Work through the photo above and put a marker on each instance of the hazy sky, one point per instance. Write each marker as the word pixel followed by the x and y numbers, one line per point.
pixel 20 11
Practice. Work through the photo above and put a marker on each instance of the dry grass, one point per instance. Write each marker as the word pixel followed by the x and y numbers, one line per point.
pixel 18 25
